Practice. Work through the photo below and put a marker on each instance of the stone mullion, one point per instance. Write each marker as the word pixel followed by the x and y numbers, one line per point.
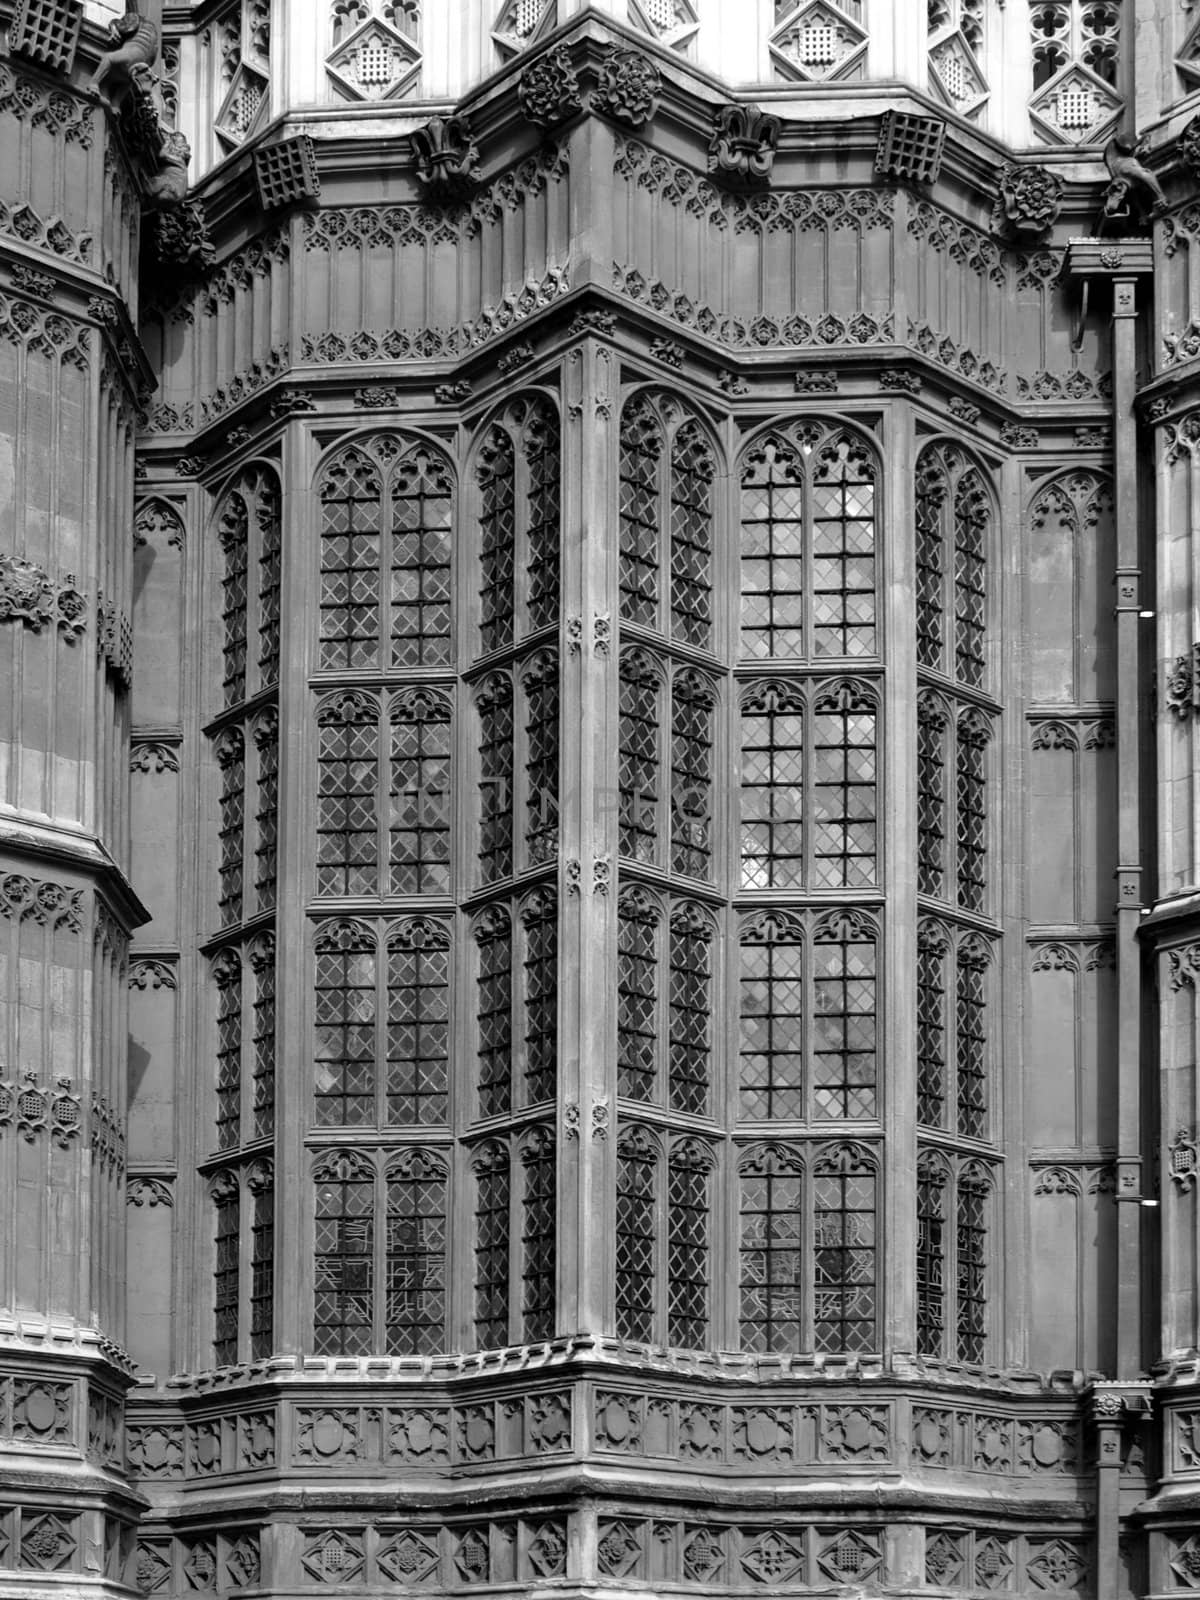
pixel 898 916
pixel 588 788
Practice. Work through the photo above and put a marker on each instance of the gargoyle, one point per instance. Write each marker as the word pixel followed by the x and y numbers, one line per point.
pixel 167 188
pixel 135 44
pixel 1133 187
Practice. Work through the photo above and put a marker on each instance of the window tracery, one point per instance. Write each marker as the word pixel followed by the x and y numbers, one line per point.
pixel 662 1239
pixel 808 506
pixel 807 1017
pixel 667 468
pixel 954 1201
pixel 382 1046
pixel 1076 50
pixel 515 1256
pixel 954 1047
pixel 664 1001
pixel 243 1209
pixel 387 506
pixel 666 717
pixel 381 1218
pixel 516 1003
pixel 835 790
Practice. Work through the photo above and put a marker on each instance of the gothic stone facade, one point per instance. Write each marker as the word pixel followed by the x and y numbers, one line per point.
pixel 599 834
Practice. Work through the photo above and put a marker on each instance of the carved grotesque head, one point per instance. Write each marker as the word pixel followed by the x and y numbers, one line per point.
pixel 176 150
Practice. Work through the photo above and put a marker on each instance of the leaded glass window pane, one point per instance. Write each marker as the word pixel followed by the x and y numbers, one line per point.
pixel 931 491
pixel 492 1244
pixel 971 525
pixel 262 1262
pixel 233 529
pixel 772 1010
pixel 972 1237
pixel 538 1215
pixel 422 506
pixel 419 797
pixel 418 1026
pixel 351 530
pixel 772 797
pixel 931 1026
pixel 931 1256
pixel 493 931
pixel 637 995
pixel 844 1251
pixel 416 1255
pixel 266 809
pixel 345 1027
pixel 226 1203
pixel 640 715
pixel 843 1020
pixel 262 1044
pixel 844 789
pixel 772 515
pixel 347 796
pixel 931 797
pixel 544 531
pixel 690 1011
pixel 771 1251
pixel 973 734
pixel 539 918
pixel 231 758
pixel 843 552
pixel 540 683
pixel 344 1281
pixel 692 470
pixel 494 702
pixel 641 449
pixel 971 1038
pixel 688 1271
pixel 227 971
pixel 637 1235
pixel 498 533
pixel 270 557
pixel 692 702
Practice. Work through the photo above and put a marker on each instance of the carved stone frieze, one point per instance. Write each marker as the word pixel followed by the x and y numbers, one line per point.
pixel 22 222
pixel 943 350
pixel 732 383
pixel 1028 199
pixel 35 1108
pixel 801 209
pixel 668 352
pixel 59 112
pixel 548 89
pixel 141 1190
pixel 1018 436
pixel 519 355
pixel 742 149
pixel 1075 385
pixel 50 905
pixel 963 243
pixel 46 333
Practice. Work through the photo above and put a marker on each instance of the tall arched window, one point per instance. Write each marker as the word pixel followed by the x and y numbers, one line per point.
pixel 954 1251
pixel 518 467
pixel 808 514
pixel 663 1241
pixel 954 1071
pixel 515 1256
pixel 667 469
pixel 249 532
pixel 664 1001
pixel 418 1023
pixel 416 1254
pixel 954 519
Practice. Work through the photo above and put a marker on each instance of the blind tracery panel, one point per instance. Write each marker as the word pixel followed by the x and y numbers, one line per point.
pixel 667 468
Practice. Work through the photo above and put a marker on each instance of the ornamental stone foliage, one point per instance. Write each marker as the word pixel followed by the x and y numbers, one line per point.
pixel 743 145
pixel 29 595
pixel 1028 201
pixel 1188 147
pixel 549 89
pixel 628 87
pixel 447 157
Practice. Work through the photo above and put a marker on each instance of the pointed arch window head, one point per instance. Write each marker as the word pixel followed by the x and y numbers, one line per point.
pixel 954 821
pixel 387 508
pixel 667 469
pixel 808 516
pixel 954 1044
pixel 954 1256
pixel 771 1250
pixel 954 533
pixel 380 1223
pixel 346 1014
pixel 418 1023
pixel 662 1239
pixel 519 471
pixel 809 820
